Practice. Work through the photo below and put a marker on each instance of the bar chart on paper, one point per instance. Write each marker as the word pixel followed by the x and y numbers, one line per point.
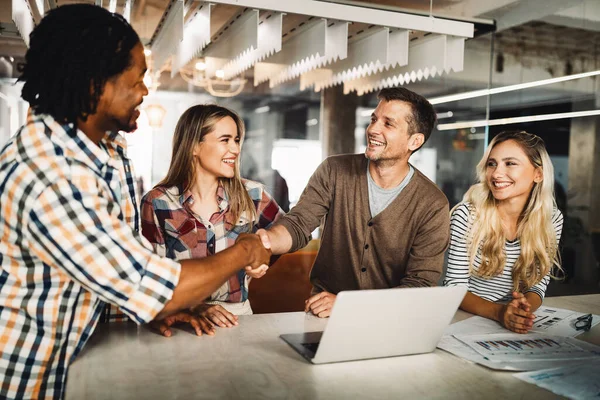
pixel 518 347
pixel 549 318
pixel 559 322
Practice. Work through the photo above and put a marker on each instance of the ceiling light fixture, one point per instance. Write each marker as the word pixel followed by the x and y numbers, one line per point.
pixel 444 115
pixel 262 110
pixel 516 120
pixel 200 65
pixel 218 87
pixel 510 88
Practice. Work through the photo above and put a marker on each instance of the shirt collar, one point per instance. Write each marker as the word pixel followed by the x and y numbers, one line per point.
pixel 117 142
pixel 222 198
pixel 79 146
pixel 187 196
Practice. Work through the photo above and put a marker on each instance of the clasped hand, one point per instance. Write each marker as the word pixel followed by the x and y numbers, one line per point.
pixel 259 254
pixel 516 315
pixel 205 317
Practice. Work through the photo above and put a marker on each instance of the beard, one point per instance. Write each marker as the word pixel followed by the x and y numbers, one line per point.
pixel 385 159
pixel 373 156
pixel 128 124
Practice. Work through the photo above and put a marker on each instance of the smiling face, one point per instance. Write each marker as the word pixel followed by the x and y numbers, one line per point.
pixel 123 94
pixel 219 150
pixel 510 175
pixel 388 136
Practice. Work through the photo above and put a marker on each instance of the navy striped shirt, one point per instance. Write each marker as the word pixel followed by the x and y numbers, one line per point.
pixel 498 288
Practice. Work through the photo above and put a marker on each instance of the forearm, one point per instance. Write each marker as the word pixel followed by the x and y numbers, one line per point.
pixel 201 277
pixel 534 299
pixel 280 238
pixel 425 272
pixel 478 306
pixel 425 264
pixel 426 279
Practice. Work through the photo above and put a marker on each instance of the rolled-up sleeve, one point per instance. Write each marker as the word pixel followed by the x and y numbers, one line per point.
pixel 80 233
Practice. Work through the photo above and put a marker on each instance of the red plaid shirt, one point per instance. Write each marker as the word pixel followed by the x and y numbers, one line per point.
pixel 175 232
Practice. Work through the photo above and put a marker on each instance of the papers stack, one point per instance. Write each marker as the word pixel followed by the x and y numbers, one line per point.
pixel 550 349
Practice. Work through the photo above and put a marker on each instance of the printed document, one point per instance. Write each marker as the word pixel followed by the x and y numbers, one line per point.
pixel 580 381
pixel 550 322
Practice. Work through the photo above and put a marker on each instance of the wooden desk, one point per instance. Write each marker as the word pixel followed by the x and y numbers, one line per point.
pixel 250 361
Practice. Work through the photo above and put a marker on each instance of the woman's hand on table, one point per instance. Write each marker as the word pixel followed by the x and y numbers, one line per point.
pixel 516 315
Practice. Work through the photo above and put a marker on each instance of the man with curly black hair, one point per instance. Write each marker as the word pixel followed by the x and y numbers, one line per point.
pixel 69 240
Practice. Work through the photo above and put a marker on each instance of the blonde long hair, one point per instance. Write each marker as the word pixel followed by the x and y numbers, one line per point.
pixel 539 248
pixel 195 123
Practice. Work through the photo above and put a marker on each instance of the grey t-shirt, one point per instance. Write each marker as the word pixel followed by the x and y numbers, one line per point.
pixel 380 198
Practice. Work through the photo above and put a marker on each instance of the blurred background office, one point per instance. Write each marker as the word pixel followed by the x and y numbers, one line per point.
pixel 304 78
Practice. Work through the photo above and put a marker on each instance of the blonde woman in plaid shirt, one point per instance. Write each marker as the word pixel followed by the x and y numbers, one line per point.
pixel 202 205
pixel 67 245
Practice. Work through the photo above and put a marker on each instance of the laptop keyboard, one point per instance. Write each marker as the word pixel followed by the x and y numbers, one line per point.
pixel 311 347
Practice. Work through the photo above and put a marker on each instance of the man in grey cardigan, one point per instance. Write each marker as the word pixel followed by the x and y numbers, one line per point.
pixel 386 224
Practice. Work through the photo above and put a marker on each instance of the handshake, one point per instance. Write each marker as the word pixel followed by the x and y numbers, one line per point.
pixel 258 249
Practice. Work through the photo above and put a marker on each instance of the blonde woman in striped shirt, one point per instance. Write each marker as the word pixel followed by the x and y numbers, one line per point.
pixel 504 235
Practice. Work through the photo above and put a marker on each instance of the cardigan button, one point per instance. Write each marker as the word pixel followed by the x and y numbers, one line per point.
pixel 366 246
pixel 363 269
pixel 370 223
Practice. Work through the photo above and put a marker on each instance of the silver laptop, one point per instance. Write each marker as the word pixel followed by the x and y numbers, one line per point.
pixel 381 323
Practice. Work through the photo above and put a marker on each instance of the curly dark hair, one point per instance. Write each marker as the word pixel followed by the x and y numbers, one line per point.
pixel 73 52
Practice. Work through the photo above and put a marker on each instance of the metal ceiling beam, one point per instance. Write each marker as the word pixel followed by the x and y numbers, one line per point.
pixel 584 16
pixel 476 8
pixel 530 10
pixel 358 14
pixel 440 9
pixel 569 22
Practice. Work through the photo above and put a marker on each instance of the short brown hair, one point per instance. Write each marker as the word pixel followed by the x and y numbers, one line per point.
pixel 423 115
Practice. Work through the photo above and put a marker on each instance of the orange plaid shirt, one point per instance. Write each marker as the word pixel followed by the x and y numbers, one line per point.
pixel 68 246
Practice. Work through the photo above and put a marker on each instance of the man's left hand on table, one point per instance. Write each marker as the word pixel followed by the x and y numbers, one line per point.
pixel 320 304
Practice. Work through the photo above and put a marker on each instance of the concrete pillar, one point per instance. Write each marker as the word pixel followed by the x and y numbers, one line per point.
pixel 338 120
pixel 584 197
pixel 584 172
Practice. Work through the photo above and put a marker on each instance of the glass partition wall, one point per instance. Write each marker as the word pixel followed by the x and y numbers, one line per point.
pixel 284 133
